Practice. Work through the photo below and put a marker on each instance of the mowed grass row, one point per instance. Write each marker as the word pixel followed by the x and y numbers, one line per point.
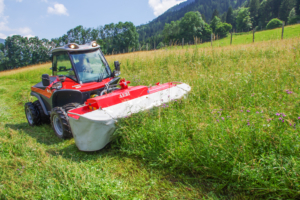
pixel 234 136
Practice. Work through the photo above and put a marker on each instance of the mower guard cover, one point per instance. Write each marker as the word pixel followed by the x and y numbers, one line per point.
pixel 93 130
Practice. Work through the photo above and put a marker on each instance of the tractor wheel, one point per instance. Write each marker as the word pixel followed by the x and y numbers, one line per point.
pixel 60 120
pixel 60 123
pixel 70 106
pixel 32 114
pixel 44 118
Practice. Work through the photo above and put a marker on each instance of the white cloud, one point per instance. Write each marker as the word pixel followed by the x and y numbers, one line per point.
pixel 58 9
pixel 19 0
pixel 160 6
pixel 5 30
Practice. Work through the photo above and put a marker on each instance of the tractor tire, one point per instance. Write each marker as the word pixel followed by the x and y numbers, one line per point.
pixel 32 114
pixel 70 106
pixel 45 119
pixel 60 120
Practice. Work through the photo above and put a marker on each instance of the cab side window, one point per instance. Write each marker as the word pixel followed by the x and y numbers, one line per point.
pixel 62 66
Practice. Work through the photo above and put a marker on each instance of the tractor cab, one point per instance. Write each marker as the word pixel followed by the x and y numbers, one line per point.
pixel 80 63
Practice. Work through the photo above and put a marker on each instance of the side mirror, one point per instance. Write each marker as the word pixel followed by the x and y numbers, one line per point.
pixel 117 66
pixel 117 69
pixel 46 79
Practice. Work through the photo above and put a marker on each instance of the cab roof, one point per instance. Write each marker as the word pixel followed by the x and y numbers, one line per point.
pixel 73 47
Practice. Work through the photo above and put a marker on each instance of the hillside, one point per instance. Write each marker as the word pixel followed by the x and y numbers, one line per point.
pixel 2 41
pixel 205 7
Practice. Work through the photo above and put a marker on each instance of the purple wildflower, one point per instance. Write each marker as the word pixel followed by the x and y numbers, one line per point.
pixel 217 120
pixel 290 124
pixel 222 118
pixel 299 118
pixel 278 114
pixel 269 120
pixel 280 118
pixel 282 121
pixel 283 115
pixel 248 110
pixel 257 112
pixel 243 111
pixel 248 124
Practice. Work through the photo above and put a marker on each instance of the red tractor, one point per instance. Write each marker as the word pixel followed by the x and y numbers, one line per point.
pixel 83 97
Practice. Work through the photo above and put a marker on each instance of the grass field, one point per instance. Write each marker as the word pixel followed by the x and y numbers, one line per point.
pixel 235 137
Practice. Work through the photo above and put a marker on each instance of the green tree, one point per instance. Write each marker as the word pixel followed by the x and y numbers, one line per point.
pixel 243 20
pixel 229 16
pixel 214 23
pixel 274 23
pixel 298 7
pixel 285 8
pixel 215 14
pixel 171 31
pixel 191 26
pixel 253 9
pixel 291 16
pixel 223 29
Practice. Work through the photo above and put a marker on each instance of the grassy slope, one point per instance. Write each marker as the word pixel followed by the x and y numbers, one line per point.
pixel 247 38
pixel 184 151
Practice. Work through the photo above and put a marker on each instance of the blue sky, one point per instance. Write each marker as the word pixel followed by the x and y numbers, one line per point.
pixel 53 18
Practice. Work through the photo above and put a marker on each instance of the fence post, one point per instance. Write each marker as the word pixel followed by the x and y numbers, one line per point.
pixel 140 46
pixel 182 42
pixel 154 46
pixel 253 35
pixel 147 46
pixel 282 30
pixel 196 41
pixel 211 39
pixel 123 50
pixel 231 39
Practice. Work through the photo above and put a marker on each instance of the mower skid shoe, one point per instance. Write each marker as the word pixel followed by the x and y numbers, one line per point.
pixel 92 131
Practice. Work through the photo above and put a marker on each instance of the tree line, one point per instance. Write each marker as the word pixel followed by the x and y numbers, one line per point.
pixel 122 37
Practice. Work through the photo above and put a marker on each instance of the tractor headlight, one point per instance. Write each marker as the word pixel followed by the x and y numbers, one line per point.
pixel 94 44
pixel 57 86
pixel 73 46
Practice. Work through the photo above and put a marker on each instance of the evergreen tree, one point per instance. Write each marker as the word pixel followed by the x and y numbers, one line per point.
pixel 292 14
pixel 215 14
pixel 298 7
pixel 253 9
pixel 285 8
pixel 229 16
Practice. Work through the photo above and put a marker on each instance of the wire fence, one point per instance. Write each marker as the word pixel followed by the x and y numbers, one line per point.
pixel 197 41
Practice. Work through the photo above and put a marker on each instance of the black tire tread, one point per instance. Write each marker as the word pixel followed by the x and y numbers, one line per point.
pixel 62 113
pixel 44 118
pixel 35 114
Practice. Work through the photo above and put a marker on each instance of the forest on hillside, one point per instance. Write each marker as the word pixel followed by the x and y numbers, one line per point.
pixel 198 19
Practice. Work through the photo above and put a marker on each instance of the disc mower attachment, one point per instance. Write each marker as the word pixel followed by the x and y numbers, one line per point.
pixel 93 125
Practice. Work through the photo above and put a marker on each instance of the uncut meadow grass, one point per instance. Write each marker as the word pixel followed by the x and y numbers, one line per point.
pixel 225 140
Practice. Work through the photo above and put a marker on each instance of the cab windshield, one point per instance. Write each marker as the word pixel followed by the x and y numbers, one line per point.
pixel 90 66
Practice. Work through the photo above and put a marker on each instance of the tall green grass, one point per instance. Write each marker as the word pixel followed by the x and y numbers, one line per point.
pixel 239 127
pixel 225 140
